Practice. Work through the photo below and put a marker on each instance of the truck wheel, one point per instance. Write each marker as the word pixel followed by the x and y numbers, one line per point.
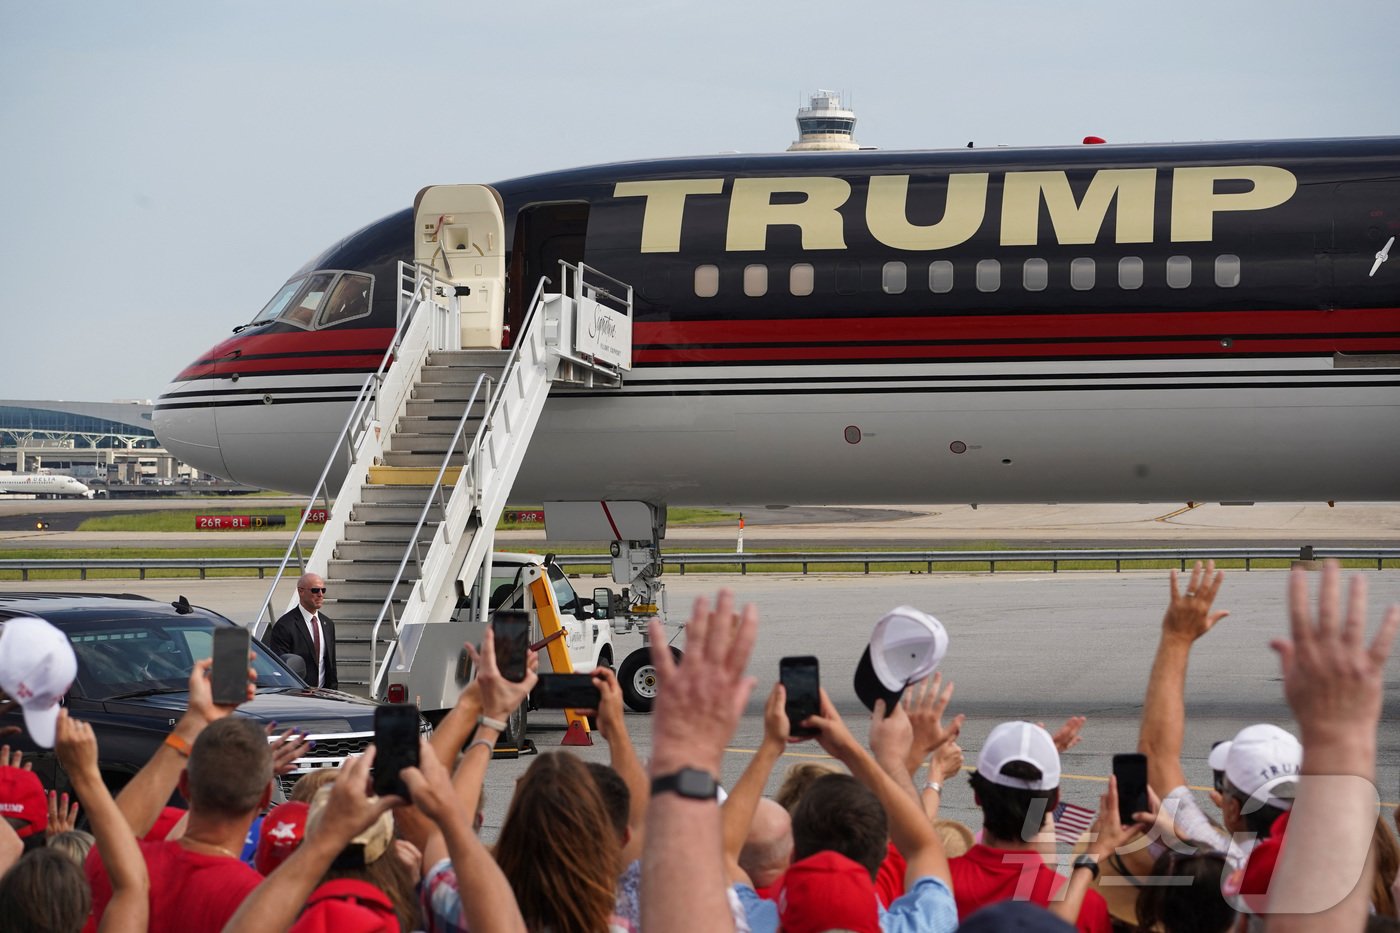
pixel 514 736
pixel 638 679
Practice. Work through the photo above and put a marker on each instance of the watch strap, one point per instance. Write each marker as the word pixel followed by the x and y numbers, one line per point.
pixel 1089 862
pixel 687 782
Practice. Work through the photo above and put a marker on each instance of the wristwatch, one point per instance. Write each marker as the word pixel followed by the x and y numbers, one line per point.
pixel 688 782
pixel 1089 862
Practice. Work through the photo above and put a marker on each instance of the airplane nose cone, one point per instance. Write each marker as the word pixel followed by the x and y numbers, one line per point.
pixel 184 424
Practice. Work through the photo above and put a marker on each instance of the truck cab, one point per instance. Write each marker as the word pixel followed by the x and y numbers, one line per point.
pixel 587 632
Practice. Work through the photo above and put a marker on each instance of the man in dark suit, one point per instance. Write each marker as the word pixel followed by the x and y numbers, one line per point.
pixel 305 631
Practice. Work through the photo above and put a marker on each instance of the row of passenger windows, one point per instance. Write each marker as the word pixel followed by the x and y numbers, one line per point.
pixel 1084 274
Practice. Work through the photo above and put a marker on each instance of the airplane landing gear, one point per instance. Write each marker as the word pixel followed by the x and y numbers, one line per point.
pixel 637 677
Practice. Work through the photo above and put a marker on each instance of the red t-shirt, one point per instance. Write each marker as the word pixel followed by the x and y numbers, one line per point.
pixel 190 892
pixel 889 880
pixel 985 876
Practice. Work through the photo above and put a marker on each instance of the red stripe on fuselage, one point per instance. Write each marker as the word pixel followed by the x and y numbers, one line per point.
pixel 329 351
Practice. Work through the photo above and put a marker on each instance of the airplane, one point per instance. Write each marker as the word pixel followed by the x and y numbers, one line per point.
pixel 1106 323
pixel 41 484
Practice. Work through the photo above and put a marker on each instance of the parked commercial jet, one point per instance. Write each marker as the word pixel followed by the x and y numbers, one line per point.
pixel 1208 322
pixel 41 484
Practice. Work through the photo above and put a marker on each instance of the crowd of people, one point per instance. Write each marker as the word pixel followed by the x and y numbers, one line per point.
pixel 1295 837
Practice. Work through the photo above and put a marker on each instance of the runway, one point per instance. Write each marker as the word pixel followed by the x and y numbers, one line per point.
pixel 1348 524
pixel 1029 646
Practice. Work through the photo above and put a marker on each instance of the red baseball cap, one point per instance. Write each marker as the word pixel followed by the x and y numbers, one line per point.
pixel 828 891
pixel 22 798
pixel 282 831
pixel 347 906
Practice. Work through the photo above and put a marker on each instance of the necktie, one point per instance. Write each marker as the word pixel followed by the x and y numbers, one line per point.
pixel 316 647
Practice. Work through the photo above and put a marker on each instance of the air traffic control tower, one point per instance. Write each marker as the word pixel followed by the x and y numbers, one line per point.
pixel 825 126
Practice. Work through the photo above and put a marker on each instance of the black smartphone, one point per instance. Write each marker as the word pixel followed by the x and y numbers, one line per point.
pixel 801 678
pixel 512 631
pixel 396 746
pixel 1131 772
pixel 228 680
pixel 566 691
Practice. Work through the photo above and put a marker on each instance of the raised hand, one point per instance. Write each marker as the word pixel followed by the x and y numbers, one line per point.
pixel 63 816
pixel 947 762
pixel 14 759
pixel 1332 679
pixel 776 728
pixel 834 738
pixel 925 703
pixel 699 701
pixel 201 695
pixel 1189 613
pixel 500 697
pixel 608 716
pixel 1068 735
pixel 287 748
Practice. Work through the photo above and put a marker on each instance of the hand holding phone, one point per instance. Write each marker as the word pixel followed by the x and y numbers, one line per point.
pixel 1131 772
pixel 566 691
pixel 801 679
pixel 396 746
pixel 511 628
pixel 228 678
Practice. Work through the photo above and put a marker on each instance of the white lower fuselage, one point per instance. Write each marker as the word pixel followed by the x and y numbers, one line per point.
pixel 1103 430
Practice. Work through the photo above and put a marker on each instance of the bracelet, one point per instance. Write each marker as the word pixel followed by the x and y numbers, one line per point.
pixel 498 724
pixel 180 745
pixel 490 746
pixel 934 786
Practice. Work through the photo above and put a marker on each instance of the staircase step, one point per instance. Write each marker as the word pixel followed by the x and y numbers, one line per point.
pixel 398 512
pixel 443 424
pixel 371 550
pixel 387 531
pixel 459 375
pixel 397 494
pixel 424 465
pixel 478 358
pixel 446 393
pixel 408 469
pixel 372 591
pixel 412 442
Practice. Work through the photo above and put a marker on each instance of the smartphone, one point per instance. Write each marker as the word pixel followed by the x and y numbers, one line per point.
pixel 1131 772
pixel 802 681
pixel 228 680
pixel 396 746
pixel 566 691
pixel 512 630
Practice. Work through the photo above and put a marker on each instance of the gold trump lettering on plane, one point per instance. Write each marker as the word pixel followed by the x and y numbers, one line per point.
pixel 812 204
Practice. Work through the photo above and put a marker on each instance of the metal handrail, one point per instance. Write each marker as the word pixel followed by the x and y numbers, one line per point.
pixel 414 549
pixel 357 424
pixel 469 466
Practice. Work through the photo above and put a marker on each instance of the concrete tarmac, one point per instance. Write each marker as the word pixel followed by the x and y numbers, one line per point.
pixel 1022 646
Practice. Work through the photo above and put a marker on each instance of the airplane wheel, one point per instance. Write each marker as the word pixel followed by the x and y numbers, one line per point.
pixel 638 679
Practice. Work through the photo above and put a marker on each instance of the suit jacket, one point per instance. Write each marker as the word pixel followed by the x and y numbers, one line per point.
pixel 289 635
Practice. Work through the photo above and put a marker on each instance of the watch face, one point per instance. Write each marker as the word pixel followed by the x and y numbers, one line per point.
pixel 693 783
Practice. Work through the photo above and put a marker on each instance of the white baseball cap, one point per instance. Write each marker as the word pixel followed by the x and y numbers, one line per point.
pixel 1020 741
pixel 1262 762
pixel 905 647
pixel 37 667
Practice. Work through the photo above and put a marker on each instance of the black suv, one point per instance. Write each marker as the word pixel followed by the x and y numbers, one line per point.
pixel 135 656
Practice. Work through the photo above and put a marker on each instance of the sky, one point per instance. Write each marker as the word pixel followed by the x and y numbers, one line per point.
pixel 167 166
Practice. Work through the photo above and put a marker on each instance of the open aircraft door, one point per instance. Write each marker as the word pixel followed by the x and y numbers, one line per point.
pixel 460 231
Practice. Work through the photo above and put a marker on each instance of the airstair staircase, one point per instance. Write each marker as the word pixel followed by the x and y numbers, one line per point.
pixel 429 455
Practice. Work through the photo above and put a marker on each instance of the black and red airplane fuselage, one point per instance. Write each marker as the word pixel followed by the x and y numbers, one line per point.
pixel 1208 322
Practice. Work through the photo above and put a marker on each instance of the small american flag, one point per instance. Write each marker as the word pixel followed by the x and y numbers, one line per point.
pixel 1071 822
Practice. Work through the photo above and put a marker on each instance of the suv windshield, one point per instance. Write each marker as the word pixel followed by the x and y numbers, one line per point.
pixel 143 656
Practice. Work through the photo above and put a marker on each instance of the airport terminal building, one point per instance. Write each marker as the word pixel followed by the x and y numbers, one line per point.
pixel 87 439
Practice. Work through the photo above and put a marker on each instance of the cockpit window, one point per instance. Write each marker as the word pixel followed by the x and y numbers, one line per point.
pixel 321 299
pixel 308 301
pixel 349 299
pixel 279 302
